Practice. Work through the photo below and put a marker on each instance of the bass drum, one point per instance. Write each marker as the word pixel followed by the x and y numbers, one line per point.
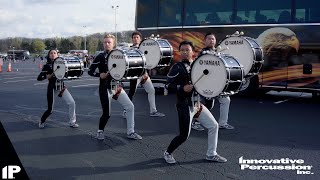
pixel 247 51
pixel 216 75
pixel 158 52
pixel 67 68
pixel 126 63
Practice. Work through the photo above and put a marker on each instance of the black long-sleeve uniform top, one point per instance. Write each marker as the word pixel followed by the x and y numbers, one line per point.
pixel 100 62
pixel 179 75
pixel 48 69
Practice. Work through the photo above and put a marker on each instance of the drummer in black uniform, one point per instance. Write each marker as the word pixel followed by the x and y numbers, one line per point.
pixel 145 81
pixel 106 91
pixel 54 86
pixel 179 76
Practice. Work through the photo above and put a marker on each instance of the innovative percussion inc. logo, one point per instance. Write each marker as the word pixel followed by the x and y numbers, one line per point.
pixel 275 164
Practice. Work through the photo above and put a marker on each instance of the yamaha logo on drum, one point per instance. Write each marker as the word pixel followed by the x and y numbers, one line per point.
pixel 234 42
pixel 209 62
pixel 149 44
pixel 207 92
pixel 117 56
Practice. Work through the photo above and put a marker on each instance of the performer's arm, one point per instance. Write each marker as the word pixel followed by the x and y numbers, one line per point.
pixel 172 78
pixel 43 74
pixel 94 65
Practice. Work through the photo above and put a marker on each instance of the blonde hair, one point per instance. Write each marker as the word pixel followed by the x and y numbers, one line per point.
pixel 112 37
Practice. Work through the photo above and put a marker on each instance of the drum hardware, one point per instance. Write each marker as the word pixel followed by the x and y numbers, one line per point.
pixel 195 99
pixel 236 34
pixel 114 85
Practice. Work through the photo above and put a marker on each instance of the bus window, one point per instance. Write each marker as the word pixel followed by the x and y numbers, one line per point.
pixel 208 12
pixel 170 13
pixel 147 13
pixel 307 12
pixel 261 12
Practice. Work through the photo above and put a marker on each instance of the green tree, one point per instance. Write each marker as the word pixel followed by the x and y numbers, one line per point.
pixel 38 46
pixel 66 45
pixel 93 44
pixel 76 41
pixel 50 43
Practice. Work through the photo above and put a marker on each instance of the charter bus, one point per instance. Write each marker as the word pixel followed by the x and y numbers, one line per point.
pixel 288 31
pixel 18 54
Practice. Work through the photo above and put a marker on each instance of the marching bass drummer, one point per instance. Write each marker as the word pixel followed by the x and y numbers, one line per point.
pixel 145 81
pixel 179 76
pixel 210 42
pixel 54 86
pixel 106 93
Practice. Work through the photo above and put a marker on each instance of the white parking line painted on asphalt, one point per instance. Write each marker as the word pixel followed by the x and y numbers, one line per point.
pixel 20 80
pixel 36 84
pixel 6 78
pixel 85 85
pixel 278 102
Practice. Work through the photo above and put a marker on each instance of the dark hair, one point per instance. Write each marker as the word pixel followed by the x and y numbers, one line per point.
pixel 208 34
pixel 48 58
pixel 136 33
pixel 186 43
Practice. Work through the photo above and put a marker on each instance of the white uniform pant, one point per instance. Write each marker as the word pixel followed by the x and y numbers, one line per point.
pixel 207 120
pixel 128 106
pixel 224 109
pixel 148 87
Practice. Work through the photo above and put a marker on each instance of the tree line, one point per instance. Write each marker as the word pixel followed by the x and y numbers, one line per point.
pixel 36 45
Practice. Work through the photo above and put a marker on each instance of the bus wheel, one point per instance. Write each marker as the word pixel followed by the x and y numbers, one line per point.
pixel 251 87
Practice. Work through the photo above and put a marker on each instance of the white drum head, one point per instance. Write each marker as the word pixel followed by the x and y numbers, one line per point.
pixel 240 49
pixel 212 84
pixel 151 50
pixel 59 68
pixel 117 64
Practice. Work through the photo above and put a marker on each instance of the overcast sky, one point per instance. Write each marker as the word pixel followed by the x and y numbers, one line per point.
pixel 63 18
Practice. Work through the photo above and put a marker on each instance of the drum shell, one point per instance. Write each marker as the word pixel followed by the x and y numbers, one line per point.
pixel 132 63
pixel 252 65
pixel 137 68
pixel 158 52
pixel 167 53
pixel 72 68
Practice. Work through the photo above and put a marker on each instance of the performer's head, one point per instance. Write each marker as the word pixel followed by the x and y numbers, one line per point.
pixel 136 37
pixel 52 55
pixel 109 42
pixel 186 50
pixel 210 40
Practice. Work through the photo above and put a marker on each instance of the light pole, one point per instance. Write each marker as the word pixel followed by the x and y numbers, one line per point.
pixel 115 20
pixel 13 54
pixel 85 38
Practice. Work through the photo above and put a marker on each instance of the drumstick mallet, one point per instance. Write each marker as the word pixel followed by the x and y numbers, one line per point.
pixel 205 72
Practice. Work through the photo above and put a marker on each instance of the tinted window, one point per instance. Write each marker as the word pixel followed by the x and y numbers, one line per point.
pixel 147 13
pixel 170 12
pixel 207 12
pixel 271 11
pixel 307 12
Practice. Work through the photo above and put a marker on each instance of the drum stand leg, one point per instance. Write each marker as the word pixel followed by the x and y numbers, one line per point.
pixel 114 85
